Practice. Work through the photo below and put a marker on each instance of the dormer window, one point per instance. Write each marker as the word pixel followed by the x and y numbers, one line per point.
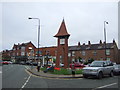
pixel 88 48
pixel 99 47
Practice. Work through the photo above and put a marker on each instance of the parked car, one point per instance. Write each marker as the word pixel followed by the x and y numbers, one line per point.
pixel 22 63
pixel 34 63
pixel 116 69
pixel 77 64
pixel 5 62
pixel 98 69
pixel 28 62
pixel 10 62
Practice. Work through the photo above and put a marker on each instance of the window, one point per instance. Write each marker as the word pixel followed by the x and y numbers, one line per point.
pixel 13 54
pixel 55 52
pixel 107 52
pixel 73 59
pixel 99 47
pixel 83 53
pixel 69 54
pixel 88 48
pixel 62 41
pixel 17 54
pixel 47 52
pixel 17 48
pixel 40 52
pixel 14 49
pixel 22 48
pixel 95 53
pixel 73 53
pixel 29 47
pixel 22 53
pixel 108 59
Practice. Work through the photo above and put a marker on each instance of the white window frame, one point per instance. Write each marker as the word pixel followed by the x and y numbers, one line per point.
pixel 69 54
pixel 22 53
pixel 83 53
pixel 73 53
pixel 108 52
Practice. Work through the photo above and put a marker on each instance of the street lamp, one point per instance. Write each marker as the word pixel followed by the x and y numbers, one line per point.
pixel 105 22
pixel 38 33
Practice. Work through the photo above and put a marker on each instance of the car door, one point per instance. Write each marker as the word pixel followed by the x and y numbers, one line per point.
pixel 105 68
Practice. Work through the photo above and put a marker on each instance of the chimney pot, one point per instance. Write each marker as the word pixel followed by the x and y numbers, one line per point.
pixel 100 41
pixel 89 43
pixel 78 43
pixel 113 41
pixel 83 43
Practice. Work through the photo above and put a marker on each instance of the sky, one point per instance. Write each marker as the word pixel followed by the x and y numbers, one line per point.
pixel 84 22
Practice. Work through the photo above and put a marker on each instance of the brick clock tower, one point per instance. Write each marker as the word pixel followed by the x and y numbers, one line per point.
pixel 62 46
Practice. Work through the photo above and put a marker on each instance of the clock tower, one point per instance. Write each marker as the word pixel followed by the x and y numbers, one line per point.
pixel 62 46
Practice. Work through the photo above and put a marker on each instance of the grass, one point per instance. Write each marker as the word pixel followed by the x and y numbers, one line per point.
pixel 63 71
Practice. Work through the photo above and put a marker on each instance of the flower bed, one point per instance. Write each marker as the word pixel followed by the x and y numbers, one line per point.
pixel 62 71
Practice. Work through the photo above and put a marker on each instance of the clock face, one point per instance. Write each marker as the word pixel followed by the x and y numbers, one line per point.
pixel 62 41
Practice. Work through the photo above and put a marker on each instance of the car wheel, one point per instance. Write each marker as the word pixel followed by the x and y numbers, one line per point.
pixel 111 74
pixel 85 76
pixel 100 75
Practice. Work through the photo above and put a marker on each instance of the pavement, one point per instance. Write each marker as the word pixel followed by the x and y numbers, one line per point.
pixel 49 75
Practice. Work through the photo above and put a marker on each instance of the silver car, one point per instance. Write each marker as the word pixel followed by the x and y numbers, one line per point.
pixel 117 69
pixel 98 69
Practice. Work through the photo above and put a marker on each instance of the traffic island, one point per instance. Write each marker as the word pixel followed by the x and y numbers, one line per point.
pixel 53 75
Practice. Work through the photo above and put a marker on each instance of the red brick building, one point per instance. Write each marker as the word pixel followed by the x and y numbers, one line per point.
pixel 23 52
pixel 94 51
pixel 27 51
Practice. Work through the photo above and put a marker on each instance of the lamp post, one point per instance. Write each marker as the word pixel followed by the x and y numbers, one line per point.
pixel 105 22
pixel 38 33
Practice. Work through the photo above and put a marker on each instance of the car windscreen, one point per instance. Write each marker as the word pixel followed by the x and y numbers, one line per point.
pixel 96 64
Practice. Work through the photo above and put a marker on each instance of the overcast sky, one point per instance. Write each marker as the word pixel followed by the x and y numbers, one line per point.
pixel 84 22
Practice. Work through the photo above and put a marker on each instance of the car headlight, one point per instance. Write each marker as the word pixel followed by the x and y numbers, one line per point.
pixel 94 70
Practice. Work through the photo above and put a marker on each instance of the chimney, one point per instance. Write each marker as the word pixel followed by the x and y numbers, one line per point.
pixel 78 43
pixel 114 41
pixel 83 43
pixel 104 42
pixel 18 44
pixel 89 43
pixel 100 42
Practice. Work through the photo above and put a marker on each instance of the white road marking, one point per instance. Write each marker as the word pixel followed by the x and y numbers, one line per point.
pixel 105 86
pixel 27 67
pixel 26 82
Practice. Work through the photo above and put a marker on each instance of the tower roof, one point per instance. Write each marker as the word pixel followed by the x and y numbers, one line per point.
pixel 62 30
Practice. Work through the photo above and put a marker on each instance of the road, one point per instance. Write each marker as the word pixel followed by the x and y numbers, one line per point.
pixel 15 76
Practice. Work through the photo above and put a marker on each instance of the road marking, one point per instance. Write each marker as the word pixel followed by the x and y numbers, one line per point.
pixel 27 67
pixel 26 82
pixel 105 86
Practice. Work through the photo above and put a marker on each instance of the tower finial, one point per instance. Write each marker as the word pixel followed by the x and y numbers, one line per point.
pixel 63 19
